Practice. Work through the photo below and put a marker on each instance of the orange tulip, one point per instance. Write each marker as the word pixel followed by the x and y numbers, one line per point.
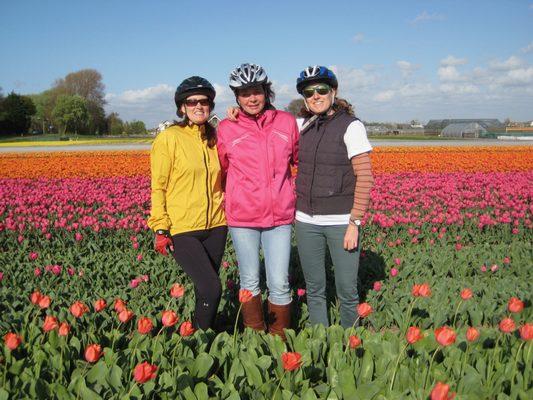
pixel 364 310
pixel 93 352
pixel 526 331
pixel 472 334
pixel 186 329
pixel 169 318
pixel 12 340
pixel 144 371
pixel 507 325
pixel 44 301
pixel 466 294
pixel 35 297
pixel 355 342
pixel 50 323
pixel 125 315
pixel 413 335
pixel 441 391
pixel 99 305
pixel 64 329
pixel 120 305
pixel 422 290
pixel 445 336
pixel 291 361
pixel 78 309
pixel 177 291
pixel 245 295
pixel 515 305
pixel 144 325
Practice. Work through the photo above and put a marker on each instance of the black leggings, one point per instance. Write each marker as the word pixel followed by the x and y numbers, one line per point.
pixel 199 253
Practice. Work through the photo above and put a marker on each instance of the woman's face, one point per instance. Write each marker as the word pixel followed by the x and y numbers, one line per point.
pixel 197 108
pixel 252 100
pixel 319 103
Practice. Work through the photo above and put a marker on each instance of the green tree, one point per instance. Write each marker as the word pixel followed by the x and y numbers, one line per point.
pixel 70 112
pixel 115 126
pixel 135 128
pixel 15 113
pixel 295 107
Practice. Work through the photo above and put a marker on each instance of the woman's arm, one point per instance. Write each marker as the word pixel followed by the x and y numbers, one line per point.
pixel 160 166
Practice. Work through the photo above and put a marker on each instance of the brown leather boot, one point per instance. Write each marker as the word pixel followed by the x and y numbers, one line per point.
pixel 279 318
pixel 252 314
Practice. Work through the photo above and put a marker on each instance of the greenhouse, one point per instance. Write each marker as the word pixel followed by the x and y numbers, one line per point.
pixel 464 130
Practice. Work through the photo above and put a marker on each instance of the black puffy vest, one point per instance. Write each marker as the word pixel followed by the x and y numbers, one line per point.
pixel 325 182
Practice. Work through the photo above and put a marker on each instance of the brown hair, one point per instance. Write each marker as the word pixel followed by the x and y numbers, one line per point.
pixel 340 104
pixel 209 133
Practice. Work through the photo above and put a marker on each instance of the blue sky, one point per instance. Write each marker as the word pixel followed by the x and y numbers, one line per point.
pixel 395 60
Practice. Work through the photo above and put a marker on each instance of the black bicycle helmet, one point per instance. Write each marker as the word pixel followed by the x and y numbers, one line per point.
pixel 316 74
pixel 247 75
pixel 191 86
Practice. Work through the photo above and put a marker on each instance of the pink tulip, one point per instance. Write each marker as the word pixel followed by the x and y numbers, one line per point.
pixel 393 272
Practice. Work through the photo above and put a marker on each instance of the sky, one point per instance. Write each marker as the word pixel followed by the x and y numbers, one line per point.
pixel 395 60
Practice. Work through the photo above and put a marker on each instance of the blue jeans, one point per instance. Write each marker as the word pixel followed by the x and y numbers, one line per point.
pixel 276 244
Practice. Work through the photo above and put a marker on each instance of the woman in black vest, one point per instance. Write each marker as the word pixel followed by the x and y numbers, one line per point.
pixel 333 190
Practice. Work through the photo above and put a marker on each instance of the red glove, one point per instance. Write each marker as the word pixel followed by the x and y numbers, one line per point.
pixel 162 241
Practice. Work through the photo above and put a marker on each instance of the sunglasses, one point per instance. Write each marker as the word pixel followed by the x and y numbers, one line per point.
pixel 320 89
pixel 193 102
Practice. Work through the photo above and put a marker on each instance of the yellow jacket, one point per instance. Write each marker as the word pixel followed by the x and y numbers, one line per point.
pixel 186 182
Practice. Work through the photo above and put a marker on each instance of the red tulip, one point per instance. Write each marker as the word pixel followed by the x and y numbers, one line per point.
pixel 413 335
pixel 445 336
pixel 177 291
pixel 64 329
pixel 441 391
pixel 377 286
pixel 466 294
pixel 12 340
pixel 35 297
pixel 144 371
pixel 78 309
pixel 169 318
pixel 120 305
pixel 526 331
pixel 291 361
pixel 245 295
pixel 364 310
pixel 144 325
pixel 50 323
pixel 93 352
pixel 355 342
pixel 507 325
pixel 125 315
pixel 472 334
pixel 44 301
pixel 515 305
pixel 99 305
pixel 186 329
pixel 422 290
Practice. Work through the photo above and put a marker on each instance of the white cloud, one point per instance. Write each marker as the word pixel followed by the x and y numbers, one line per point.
pixel 511 63
pixel 458 89
pixel 386 95
pixel 528 48
pixel 424 16
pixel 453 61
pixel 449 74
pixel 358 38
pixel 406 68
pixel 140 96
pixel 351 79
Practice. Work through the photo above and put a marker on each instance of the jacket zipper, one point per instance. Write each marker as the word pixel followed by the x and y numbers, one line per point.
pixel 314 168
pixel 206 188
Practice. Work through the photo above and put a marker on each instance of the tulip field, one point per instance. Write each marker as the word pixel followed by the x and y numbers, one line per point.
pixel 88 310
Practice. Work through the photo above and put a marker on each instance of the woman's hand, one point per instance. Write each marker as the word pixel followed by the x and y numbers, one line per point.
pixel 232 113
pixel 351 237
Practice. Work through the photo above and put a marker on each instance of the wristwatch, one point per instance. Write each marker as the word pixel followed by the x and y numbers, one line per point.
pixel 162 232
pixel 356 222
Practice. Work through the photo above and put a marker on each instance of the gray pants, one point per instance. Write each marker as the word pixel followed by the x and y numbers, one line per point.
pixel 312 240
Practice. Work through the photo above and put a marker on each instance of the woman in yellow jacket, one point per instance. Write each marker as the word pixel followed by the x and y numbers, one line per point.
pixel 187 214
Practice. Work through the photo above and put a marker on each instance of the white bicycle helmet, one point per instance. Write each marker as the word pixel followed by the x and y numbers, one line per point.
pixel 247 75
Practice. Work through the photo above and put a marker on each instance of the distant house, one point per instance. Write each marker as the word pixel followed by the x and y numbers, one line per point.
pixel 214 120
pixel 464 130
pixel 437 125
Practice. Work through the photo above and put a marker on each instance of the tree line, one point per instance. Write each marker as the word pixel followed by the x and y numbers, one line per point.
pixel 74 104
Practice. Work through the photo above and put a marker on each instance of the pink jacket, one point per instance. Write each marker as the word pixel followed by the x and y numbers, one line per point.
pixel 256 156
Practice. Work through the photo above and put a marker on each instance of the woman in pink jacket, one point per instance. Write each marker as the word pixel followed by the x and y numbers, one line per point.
pixel 256 154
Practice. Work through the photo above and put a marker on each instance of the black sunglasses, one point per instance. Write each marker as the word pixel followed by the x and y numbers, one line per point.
pixel 193 102
pixel 320 89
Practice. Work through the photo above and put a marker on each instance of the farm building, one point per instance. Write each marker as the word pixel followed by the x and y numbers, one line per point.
pixel 437 125
pixel 464 130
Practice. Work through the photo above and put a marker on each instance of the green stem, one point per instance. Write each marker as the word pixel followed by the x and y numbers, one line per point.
pixel 463 366
pixel 5 373
pixel 133 353
pixel 350 332
pixel 456 311
pixel 515 363
pixel 82 377
pixel 396 367
pixel 429 369
pixel 172 356
pixel 406 324
pixel 235 327
pixel 132 386
pixel 527 367
pixel 279 384
pixel 491 360
pixel 155 342
pixel 60 372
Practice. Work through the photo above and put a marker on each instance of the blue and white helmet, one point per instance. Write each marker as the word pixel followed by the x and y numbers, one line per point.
pixel 316 74
pixel 247 75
